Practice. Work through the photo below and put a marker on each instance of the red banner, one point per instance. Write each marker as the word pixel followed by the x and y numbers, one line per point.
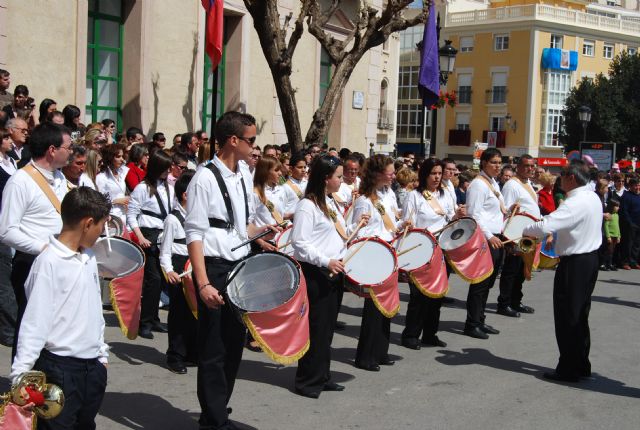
pixel 560 162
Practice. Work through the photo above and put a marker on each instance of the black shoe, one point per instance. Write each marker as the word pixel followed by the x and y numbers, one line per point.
pixel 488 329
pixel 411 343
pixel 190 363
pixel 159 327
pixel 560 378
pixel 369 367
pixel 340 325
pixel 604 269
pixel 387 362
pixel 309 394
pixel 229 410
pixel 178 368
pixel 613 268
pixel 524 309
pixel 476 332
pixel 433 341
pixel 332 386
pixel 254 348
pixel 448 300
pixel 508 311
pixel 145 332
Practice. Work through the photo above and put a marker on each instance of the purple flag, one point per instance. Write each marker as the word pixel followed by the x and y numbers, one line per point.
pixel 429 83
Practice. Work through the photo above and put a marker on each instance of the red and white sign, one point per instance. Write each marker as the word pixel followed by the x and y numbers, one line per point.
pixel 552 162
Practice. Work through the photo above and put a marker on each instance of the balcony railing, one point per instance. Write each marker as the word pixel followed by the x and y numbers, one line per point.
pixel 542 12
pixel 496 95
pixel 459 137
pixel 385 119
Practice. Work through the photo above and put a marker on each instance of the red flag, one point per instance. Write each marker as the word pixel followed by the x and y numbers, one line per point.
pixel 213 33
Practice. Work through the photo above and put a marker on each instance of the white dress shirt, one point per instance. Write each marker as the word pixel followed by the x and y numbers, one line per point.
pixel 85 181
pixel 141 200
pixel 346 191
pixel 114 189
pixel 450 191
pixel 64 308
pixel 484 206
pixel 375 226
pixel 515 192
pixel 205 201
pixel 292 195
pixel 276 195
pixel 577 223
pixel 8 164
pixel 28 218
pixel 422 215
pixel 314 237
pixel 172 230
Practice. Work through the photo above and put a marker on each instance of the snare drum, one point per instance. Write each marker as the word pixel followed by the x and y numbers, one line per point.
pixel 124 258
pixel 548 257
pixel 373 261
pixel 418 245
pixel 466 249
pixel 283 241
pixel 269 292
pixel 513 228
pixel 115 226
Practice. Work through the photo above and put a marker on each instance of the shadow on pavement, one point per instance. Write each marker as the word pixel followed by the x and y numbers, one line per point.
pixel 137 354
pixel 110 319
pixel 597 383
pixel 615 301
pixel 619 282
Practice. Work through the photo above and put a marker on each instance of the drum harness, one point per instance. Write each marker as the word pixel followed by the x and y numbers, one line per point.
pixel 218 223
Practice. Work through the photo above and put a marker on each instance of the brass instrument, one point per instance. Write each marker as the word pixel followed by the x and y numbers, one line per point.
pixel 35 380
pixel 527 244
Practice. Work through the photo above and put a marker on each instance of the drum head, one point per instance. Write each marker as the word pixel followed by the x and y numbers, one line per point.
pixel 115 226
pixel 457 233
pixel 516 226
pixel 263 282
pixel 372 264
pixel 124 258
pixel 283 241
pixel 417 257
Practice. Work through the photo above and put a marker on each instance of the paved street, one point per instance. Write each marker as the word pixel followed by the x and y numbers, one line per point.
pixel 469 384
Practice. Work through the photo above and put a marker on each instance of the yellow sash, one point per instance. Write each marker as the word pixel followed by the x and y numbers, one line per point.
pixel 295 188
pixel 41 181
pixel 528 188
pixel 495 193
pixel 434 203
pixel 386 219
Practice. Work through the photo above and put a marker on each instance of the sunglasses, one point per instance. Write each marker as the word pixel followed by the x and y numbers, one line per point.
pixel 249 140
pixel 182 167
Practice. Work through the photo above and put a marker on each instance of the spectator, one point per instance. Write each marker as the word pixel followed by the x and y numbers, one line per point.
pixel 178 167
pixel 56 117
pixel 545 194
pixel 314 151
pixel 558 194
pixel 111 179
pixel 133 135
pixel 630 223
pixel 344 153
pixel 409 158
pixel 618 188
pixel 8 306
pixel 407 179
pixel 94 139
pixel 189 145
pixel 176 141
pixel 138 159
pixel 19 133
pixel 158 141
pixel 464 180
pixel 91 169
pixel 76 166
pixel 505 174
pixel 284 167
pixel 22 106
pixel 109 130
pixel 536 178
pixel 205 153
pixel 611 233
pixel 254 158
pixel 46 107
pixel 72 122
pixel 6 98
pixel 270 150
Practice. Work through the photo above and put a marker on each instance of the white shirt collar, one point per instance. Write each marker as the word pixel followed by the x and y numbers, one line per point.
pixel 224 170
pixel 64 252
pixel 578 190
pixel 48 175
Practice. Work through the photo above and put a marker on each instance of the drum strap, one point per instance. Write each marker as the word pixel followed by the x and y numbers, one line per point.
pixel 42 183
pixel 336 222
pixel 386 219
pixel 163 211
pixel 277 216
pixel 180 218
pixel 434 203
pixel 495 193
pixel 295 188
pixel 218 223
pixel 527 187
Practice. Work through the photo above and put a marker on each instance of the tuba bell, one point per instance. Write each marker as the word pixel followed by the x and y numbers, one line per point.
pixel 527 244
pixel 32 387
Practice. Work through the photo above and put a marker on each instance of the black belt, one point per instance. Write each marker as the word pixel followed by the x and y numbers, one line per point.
pixel 182 241
pixel 566 257
pixel 153 214
pixel 218 223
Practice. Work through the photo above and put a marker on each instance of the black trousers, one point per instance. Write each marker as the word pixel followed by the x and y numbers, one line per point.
pixel 220 338
pixel 511 281
pixel 630 245
pixel 314 367
pixel 8 306
pixel 183 326
pixel 575 279
pixel 375 330
pixel 478 293
pixel 423 315
pixel 153 279
pixel 20 269
pixel 83 382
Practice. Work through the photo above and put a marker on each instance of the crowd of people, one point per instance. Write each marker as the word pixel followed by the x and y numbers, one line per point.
pixel 200 198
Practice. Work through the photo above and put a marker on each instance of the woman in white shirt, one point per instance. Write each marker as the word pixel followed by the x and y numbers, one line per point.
pixel 91 169
pixel 378 200
pixel 319 246
pixel 427 207
pixel 111 179
pixel 269 198
pixel 151 202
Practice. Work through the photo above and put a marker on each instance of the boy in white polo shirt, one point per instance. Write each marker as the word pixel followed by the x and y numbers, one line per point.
pixel 62 331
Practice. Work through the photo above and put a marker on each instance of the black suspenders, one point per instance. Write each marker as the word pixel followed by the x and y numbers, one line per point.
pixel 218 223
pixel 178 215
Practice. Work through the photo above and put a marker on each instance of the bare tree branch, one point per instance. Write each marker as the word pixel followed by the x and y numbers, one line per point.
pixel 298 28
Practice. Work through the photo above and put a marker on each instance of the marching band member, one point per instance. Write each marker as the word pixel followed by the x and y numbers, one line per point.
pixel 486 205
pixel 378 200
pixel 577 223
pixel 181 323
pixel 427 207
pixel 517 190
pixel 219 217
pixel 151 202
pixel 62 332
pixel 296 182
pixel 31 205
pixel 319 246
pixel 111 179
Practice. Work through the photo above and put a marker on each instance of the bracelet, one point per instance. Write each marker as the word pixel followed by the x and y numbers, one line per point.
pixel 201 287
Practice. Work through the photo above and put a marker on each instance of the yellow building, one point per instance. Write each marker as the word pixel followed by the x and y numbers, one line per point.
pixel 517 61
pixel 142 63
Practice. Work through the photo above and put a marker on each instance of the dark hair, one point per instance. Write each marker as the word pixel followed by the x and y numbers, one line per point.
pixel 81 203
pixel 182 183
pixel 268 147
pixel 579 169
pixel 322 168
pixel 261 174
pixel 524 157
pixel 54 114
pixel 107 122
pixel 632 181
pixel 137 152
pixel 159 163
pixel 463 178
pixel 21 90
pixel 344 153
pixel 373 167
pixel 78 150
pixel 505 168
pixel 352 158
pixel 177 157
pixel 425 170
pixel 448 160
pixel 157 136
pixel 70 112
pixel 232 124
pixel 185 140
pixel 296 157
pixel 488 154
pixel 4 73
pixel 109 153
pixel 132 132
pixel 285 147
pixel 4 133
pixel 199 134
pixel 44 107
pixel 43 136
pixel 611 204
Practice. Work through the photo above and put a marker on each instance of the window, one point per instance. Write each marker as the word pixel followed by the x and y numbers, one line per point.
pixel 464 88
pixel 498 92
pixel 409 121
pixel 588 48
pixel 501 42
pixel 556 87
pixel 408 83
pixel 607 51
pixel 496 123
pixel 104 62
pixel 466 43
pixel 408 40
pixel 213 97
pixel 632 51
pixel 325 74
pixel 462 121
pixel 556 41
pixel 612 3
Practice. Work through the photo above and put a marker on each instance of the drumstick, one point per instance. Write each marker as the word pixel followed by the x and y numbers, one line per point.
pixel 408 250
pixel 352 235
pixel 183 274
pixel 513 212
pixel 511 240
pixel 404 233
pixel 355 251
pixel 284 245
pixel 106 233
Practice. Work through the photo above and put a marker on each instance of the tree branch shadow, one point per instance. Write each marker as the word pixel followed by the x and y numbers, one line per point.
pixel 136 354
pixel 615 301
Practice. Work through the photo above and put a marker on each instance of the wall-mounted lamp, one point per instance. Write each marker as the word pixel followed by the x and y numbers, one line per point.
pixel 513 125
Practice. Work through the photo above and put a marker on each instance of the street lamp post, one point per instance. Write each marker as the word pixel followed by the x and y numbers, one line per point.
pixel 447 58
pixel 584 115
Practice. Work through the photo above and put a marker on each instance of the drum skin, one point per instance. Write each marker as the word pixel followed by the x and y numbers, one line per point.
pixel 417 257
